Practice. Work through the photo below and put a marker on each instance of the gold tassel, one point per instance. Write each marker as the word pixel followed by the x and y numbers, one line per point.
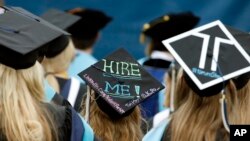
pixel 142 38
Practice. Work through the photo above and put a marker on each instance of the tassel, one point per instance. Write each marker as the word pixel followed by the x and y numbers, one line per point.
pixel 142 38
pixel 87 104
pixel 172 88
pixel 224 112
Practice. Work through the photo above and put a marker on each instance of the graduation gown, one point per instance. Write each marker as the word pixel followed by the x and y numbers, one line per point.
pixel 81 131
pixel 70 126
pixel 156 133
pixel 161 132
pixel 73 91
pixel 157 66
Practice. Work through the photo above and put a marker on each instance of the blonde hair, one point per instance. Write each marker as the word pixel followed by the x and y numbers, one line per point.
pixel 58 64
pixel 23 118
pixel 241 110
pixel 179 94
pixel 124 129
pixel 201 114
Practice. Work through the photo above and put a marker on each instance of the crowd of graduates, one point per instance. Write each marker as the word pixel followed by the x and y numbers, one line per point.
pixel 191 86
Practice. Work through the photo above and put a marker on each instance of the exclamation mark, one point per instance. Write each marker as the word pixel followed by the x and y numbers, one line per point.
pixel 137 90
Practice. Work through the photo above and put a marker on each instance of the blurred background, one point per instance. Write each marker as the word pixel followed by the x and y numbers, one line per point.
pixel 129 17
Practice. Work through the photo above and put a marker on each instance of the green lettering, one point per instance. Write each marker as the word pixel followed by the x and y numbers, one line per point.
pixel 125 68
pixel 108 66
pixel 115 87
pixel 135 70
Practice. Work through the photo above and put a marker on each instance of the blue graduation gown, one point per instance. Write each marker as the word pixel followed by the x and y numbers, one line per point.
pixel 156 133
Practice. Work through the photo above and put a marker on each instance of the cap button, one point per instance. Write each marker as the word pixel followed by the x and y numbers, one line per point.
pixel 166 18
pixel 146 26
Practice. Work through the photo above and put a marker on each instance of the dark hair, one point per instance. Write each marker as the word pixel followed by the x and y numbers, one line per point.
pixel 84 44
pixel 155 45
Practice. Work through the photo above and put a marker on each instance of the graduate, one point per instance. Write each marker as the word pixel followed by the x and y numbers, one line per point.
pixel 172 101
pixel 84 35
pixel 242 83
pixel 116 85
pixel 22 83
pixel 58 58
pixel 210 96
pixel 159 58
pixel 25 114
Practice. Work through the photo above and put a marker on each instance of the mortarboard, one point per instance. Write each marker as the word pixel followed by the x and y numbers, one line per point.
pixel 169 25
pixel 30 15
pixel 244 41
pixel 210 56
pixel 120 83
pixel 23 42
pixel 90 23
pixel 62 20
pixel 59 18
pixel 59 44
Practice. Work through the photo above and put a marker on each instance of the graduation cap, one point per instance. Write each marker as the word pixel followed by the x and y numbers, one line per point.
pixel 244 41
pixel 91 22
pixel 60 18
pixel 23 39
pixel 210 55
pixel 169 25
pixel 30 15
pixel 120 83
pixel 57 46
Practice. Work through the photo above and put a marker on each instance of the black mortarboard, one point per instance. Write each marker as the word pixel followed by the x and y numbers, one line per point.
pixel 120 83
pixel 62 20
pixel 90 23
pixel 210 55
pixel 23 39
pixel 169 25
pixel 59 18
pixel 244 41
pixel 28 14
pixel 59 44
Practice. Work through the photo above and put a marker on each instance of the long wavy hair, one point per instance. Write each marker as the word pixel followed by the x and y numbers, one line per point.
pixel 179 90
pixel 58 64
pixel 23 118
pixel 199 118
pixel 241 110
pixel 124 129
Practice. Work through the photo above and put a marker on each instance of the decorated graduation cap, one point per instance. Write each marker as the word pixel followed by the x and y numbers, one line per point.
pixel 210 55
pixel 59 18
pixel 120 83
pixel 169 25
pixel 23 38
pixel 91 22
